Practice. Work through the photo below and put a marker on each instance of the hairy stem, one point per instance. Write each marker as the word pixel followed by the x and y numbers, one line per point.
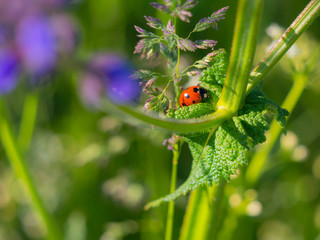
pixel 217 212
pixel 173 183
pixel 300 24
pixel 28 121
pixel 22 172
pixel 182 126
pixel 242 54
pixel 258 161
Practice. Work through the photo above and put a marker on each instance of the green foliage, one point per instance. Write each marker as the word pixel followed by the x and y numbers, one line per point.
pixel 193 111
pixel 225 151
pixel 213 77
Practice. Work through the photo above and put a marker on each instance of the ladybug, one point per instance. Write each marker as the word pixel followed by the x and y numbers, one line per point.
pixel 192 95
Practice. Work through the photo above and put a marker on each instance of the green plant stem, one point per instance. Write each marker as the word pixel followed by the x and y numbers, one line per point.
pixel 197 224
pixel 176 83
pixel 173 183
pixel 242 54
pixel 176 154
pixel 198 214
pixel 217 212
pixel 203 214
pixel 181 126
pixel 259 159
pixel 28 121
pixel 300 24
pixel 21 171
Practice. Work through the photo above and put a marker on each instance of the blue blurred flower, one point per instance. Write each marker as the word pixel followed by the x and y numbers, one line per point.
pixel 115 72
pixel 12 11
pixel 91 89
pixel 36 42
pixel 8 71
pixel 38 33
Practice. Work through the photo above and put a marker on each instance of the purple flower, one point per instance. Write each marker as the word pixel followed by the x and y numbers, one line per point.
pixel 160 7
pixel 154 22
pixel 12 11
pixel 140 46
pixel 36 43
pixel 115 73
pixel 204 44
pixel 170 27
pixel 140 30
pixel 8 71
pixel 65 33
pixel 189 4
pixel 3 36
pixel 91 89
pixel 171 142
pixel 186 44
pixel 185 15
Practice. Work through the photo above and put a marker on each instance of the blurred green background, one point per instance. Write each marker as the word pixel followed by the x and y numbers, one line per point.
pixel 95 173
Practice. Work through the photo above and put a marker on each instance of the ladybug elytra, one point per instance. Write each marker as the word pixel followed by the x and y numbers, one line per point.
pixel 192 95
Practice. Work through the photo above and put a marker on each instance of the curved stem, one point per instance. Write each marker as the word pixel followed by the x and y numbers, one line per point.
pixel 173 183
pixel 182 126
pixel 28 121
pixel 300 24
pixel 259 159
pixel 22 172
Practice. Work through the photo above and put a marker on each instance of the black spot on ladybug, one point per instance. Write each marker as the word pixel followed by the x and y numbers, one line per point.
pixel 196 89
pixel 186 95
pixel 183 104
pixel 193 102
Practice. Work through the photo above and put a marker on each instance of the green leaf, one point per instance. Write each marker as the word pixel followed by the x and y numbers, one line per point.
pixel 226 150
pixel 213 77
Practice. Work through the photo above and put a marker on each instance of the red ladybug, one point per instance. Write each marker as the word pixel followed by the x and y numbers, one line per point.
pixel 192 95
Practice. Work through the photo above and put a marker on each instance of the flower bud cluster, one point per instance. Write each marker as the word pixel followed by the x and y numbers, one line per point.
pixel 171 143
pixel 169 44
